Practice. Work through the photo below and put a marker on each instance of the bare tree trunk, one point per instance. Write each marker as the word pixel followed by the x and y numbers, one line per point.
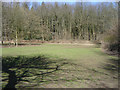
pixel 89 34
pixel 95 37
pixel 70 31
pixel 2 42
pixel 42 36
pixel 16 41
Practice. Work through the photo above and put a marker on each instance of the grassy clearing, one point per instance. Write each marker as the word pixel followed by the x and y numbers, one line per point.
pixel 57 65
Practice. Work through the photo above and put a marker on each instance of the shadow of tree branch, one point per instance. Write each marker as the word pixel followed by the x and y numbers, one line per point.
pixel 24 66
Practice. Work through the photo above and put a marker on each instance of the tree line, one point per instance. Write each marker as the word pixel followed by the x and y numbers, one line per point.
pixel 48 21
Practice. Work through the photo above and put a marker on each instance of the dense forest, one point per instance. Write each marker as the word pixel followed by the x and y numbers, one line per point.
pixel 60 45
pixel 59 21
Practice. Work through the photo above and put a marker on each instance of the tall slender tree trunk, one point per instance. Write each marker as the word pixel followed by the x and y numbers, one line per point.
pixel 70 31
pixel 52 30
pixel 42 36
pixel 16 41
pixel 89 34
pixel 5 35
pixel 95 37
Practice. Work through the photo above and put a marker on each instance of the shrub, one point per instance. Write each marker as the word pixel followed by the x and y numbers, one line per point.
pixel 110 40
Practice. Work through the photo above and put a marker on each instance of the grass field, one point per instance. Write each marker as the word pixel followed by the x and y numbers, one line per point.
pixel 59 66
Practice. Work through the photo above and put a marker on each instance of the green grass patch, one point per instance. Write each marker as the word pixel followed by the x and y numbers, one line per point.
pixel 50 64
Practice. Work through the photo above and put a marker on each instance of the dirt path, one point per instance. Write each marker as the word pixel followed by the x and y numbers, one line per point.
pixel 83 43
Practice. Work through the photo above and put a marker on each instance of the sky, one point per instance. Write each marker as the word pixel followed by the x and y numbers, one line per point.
pixel 61 0
pixel 59 3
pixel 70 2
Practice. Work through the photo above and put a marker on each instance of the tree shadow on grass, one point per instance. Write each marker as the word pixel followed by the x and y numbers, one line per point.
pixel 21 67
pixel 112 64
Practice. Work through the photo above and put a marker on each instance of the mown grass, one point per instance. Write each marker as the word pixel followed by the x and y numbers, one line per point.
pixel 67 65
pixel 66 51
